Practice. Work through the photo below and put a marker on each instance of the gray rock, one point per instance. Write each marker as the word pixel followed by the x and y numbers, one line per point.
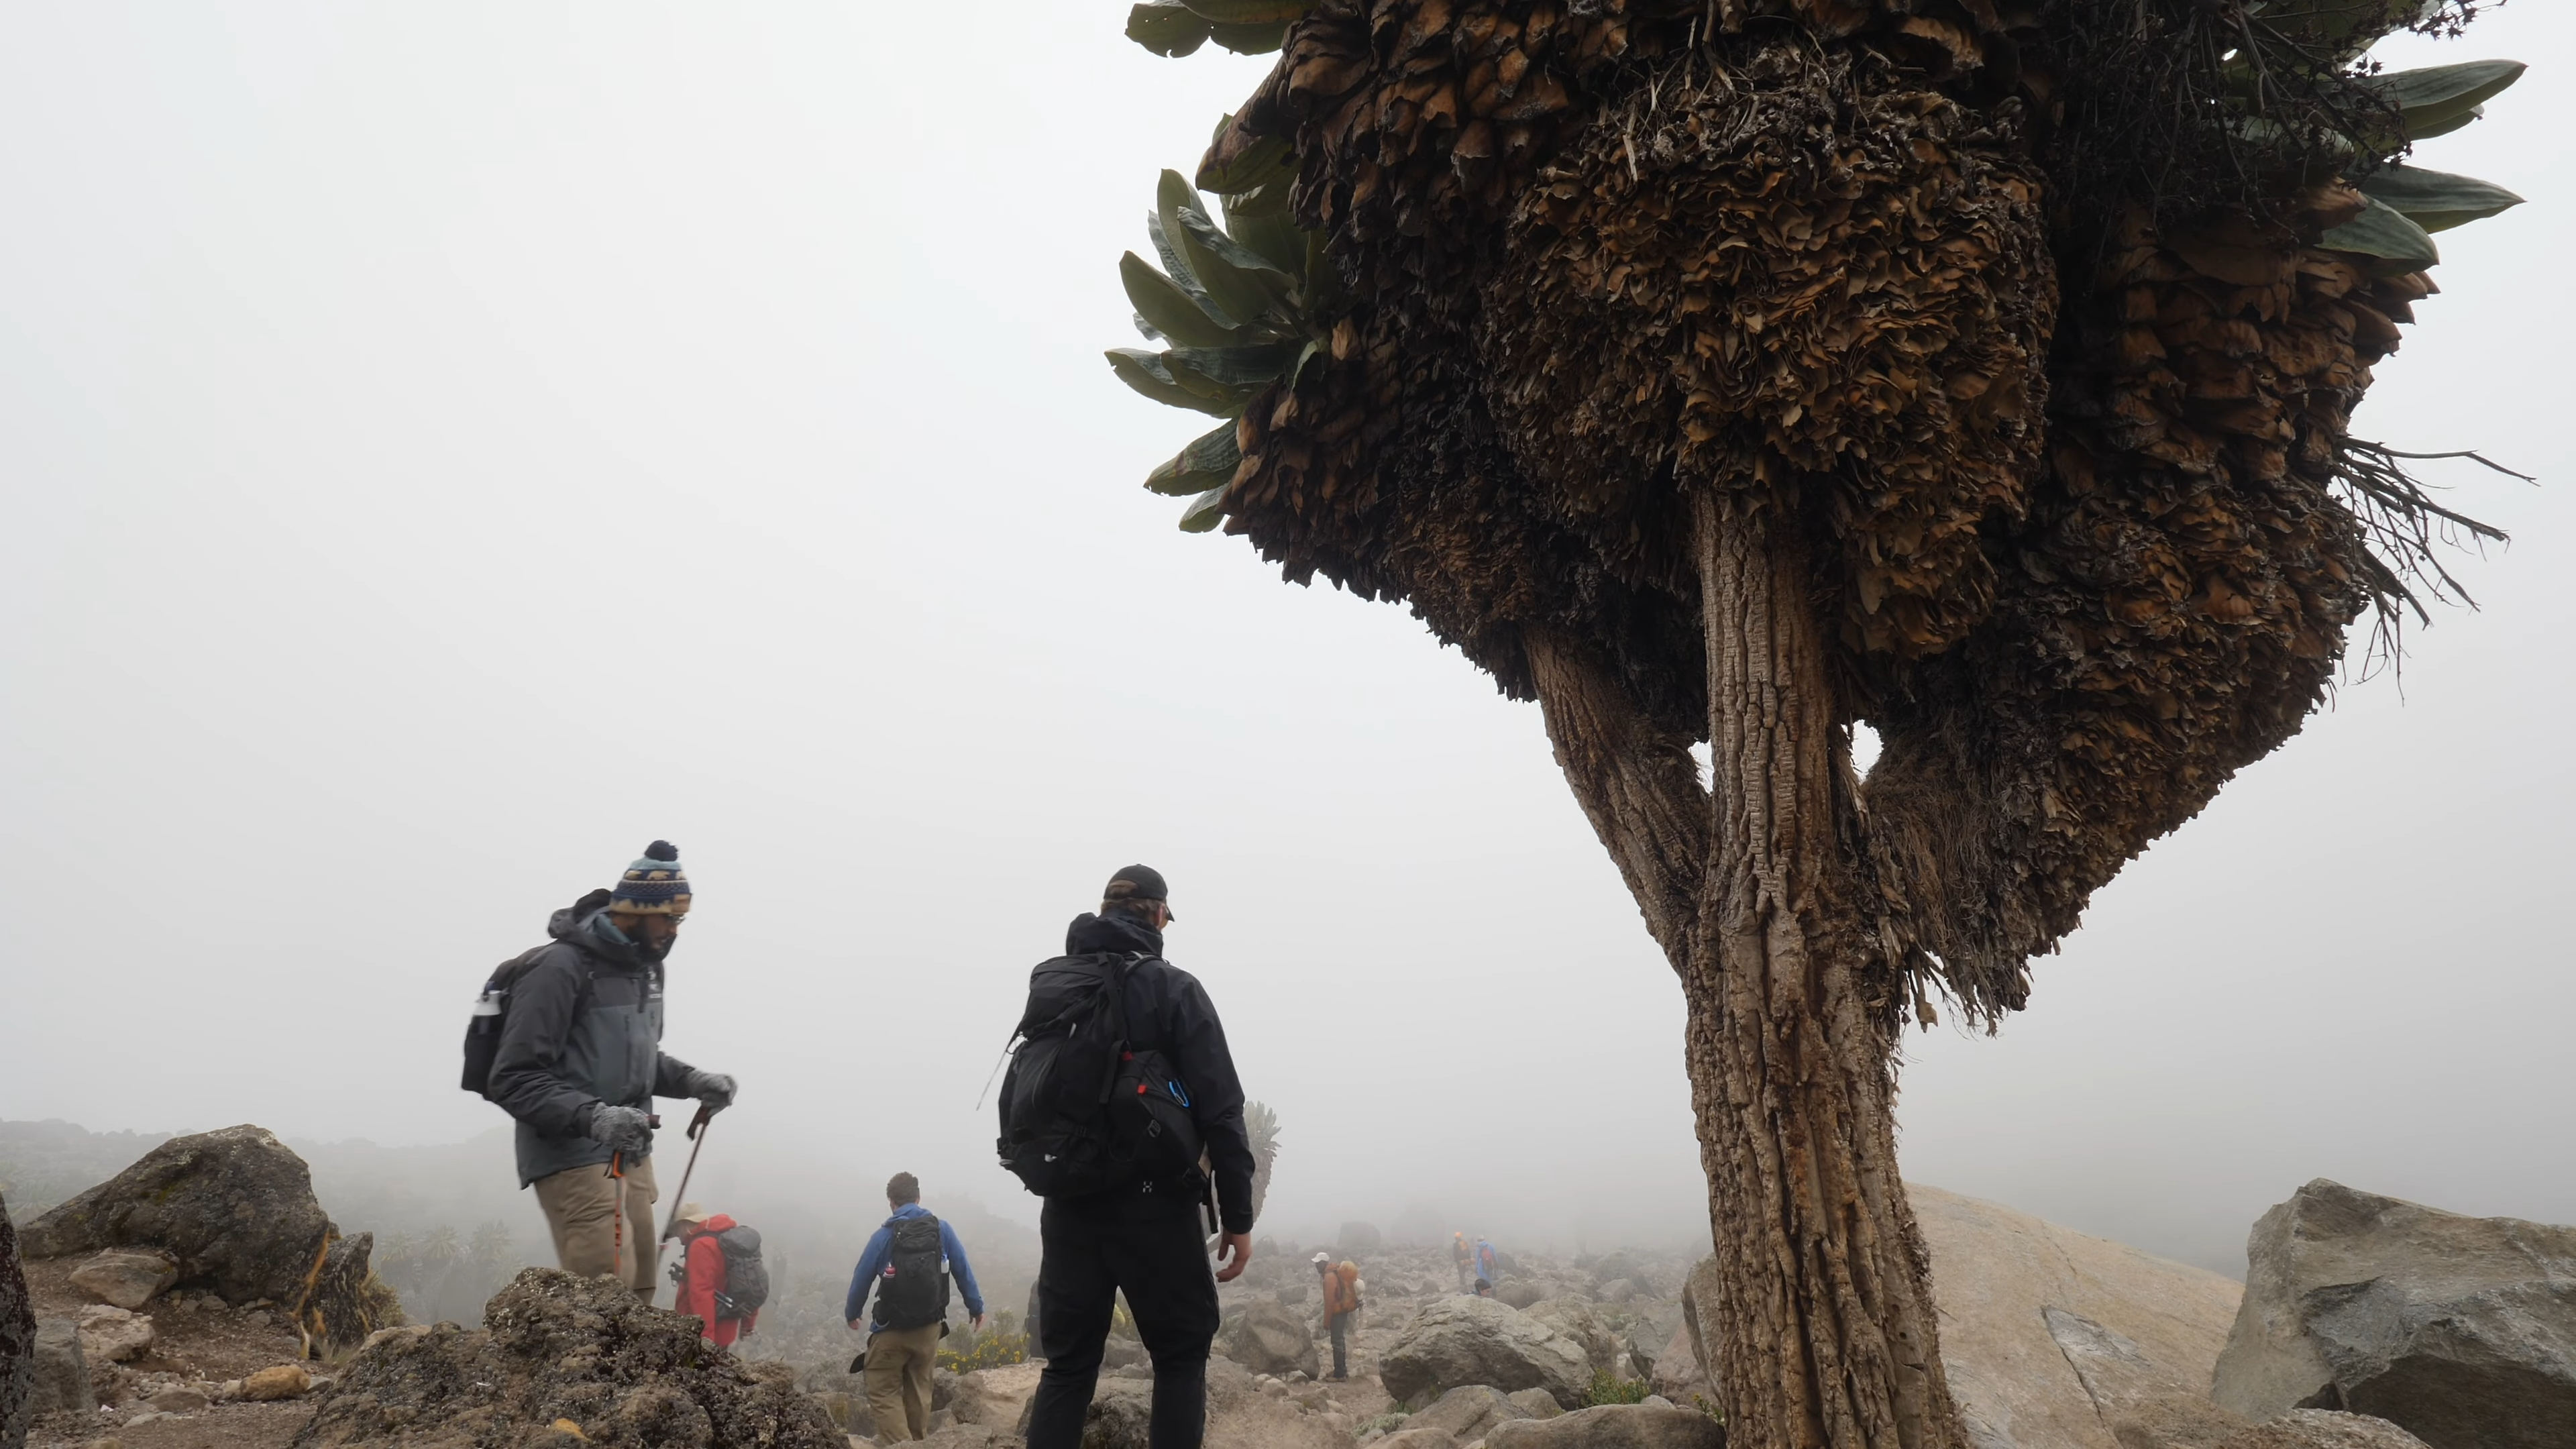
pixel 1578 1322
pixel 1426 1437
pixel 1677 1374
pixel 61 1378
pixel 1699 1318
pixel 1459 1341
pixel 970 1436
pixel 2140 1400
pixel 235 1207
pixel 17 1340
pixel 1121 1413
pixel 178 1401
pixel 1520 1293
pixel 1268 1339
pixel 1535 1404
pixel 113 1335
pixel 1121 1353
pixel 1466 1413
pixel 2461 1330
pixel 1621 1264
pixel 126 1277
pixel 1612 1426
pixel 2324 1429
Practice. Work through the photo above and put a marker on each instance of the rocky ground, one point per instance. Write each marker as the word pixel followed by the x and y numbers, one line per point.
pixel 197 1347
pixel 148 1336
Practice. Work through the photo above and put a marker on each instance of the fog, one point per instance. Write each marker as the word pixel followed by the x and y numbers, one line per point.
pixel 448 447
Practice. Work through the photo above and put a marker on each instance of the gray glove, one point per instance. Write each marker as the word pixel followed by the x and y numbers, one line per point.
pixel 714 1090
pixel 619 1129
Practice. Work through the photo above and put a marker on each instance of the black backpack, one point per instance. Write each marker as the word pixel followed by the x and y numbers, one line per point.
pixel 746 1277
pixel 492 1007
pixel 914 1290
pixel 1084 1107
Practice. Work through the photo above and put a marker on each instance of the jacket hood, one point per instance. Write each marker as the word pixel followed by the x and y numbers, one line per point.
pixel 721 1222
pixel 574 925
pixel 1090 933
pixel 908 1210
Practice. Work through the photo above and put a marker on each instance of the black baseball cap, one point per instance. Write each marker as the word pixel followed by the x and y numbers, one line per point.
pixel 1148 883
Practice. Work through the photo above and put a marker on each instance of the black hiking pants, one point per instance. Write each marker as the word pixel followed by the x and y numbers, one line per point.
pixel 1152 1248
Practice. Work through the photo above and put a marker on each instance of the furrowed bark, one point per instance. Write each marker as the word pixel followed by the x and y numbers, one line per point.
pixel 1825 1309
pixel 1755 892
pixel 1638 785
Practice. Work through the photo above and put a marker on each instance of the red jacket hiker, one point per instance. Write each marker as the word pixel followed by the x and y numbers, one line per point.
pixel 704 1275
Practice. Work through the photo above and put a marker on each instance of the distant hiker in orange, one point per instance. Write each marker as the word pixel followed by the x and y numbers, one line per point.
pixel 1341 1300
pixel 1463 1256
pixel 715 1250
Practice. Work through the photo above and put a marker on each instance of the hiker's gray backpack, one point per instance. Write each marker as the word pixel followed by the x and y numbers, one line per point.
pixel 746 1277
pixel 492 1005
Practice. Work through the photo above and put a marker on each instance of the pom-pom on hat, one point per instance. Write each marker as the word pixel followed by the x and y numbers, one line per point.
pixel 654 885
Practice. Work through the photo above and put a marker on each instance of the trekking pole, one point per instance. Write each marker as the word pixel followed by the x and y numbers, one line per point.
pixel 617 1234
pixel 697 1139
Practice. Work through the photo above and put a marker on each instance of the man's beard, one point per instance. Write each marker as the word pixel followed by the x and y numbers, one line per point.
pixel 650 950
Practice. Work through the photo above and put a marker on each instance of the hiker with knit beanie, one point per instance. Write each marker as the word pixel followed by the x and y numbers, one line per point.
pixel 580 1061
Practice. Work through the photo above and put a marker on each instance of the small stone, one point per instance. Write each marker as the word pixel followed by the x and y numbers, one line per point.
pixel 109 1442
pixel 148 1416
pixel 227 1391
pixel 286 1381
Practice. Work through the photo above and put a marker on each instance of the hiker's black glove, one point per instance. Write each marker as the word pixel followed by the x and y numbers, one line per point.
pixel 619 1129
pixel 714 1090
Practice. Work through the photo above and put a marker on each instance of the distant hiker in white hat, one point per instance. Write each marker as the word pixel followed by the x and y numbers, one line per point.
pixel 569 1039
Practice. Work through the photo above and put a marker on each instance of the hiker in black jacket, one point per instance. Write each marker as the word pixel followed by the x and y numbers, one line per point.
pixel 1145 1239
pixel 581 1060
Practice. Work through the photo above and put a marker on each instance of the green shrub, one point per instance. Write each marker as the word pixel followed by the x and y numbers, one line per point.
pixel 1609 1388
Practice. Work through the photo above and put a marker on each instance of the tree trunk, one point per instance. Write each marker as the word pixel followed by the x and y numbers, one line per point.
pixel 1757 891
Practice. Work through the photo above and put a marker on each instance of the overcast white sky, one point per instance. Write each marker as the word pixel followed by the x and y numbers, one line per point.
pixel 445 447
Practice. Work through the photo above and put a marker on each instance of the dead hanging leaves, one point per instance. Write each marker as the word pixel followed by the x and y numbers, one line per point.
pixel 2088 557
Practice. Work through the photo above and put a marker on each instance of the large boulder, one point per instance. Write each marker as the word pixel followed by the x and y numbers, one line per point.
pixel 17 1340
pixel 1357 1238
pixel 1268 1339
pixel 1464 1414
pixel 2139 1400
pixel 560 1347
pixel 1677 1374
pixel 1996 1272
pixel 1520 1293
pixel 1458 1341
pixel 235 1208
pixel 1612 1426
pixel 1575 1320
pixel 2460 1329
pixel 2324 1429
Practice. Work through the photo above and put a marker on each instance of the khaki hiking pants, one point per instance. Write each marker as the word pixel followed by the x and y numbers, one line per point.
pixel 581 1211
pixel 899 1363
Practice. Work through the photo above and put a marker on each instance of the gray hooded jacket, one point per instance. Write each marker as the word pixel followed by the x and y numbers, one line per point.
pixel 565 1048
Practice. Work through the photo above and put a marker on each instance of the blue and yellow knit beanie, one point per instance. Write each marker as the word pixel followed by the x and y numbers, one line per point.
pixel 655 885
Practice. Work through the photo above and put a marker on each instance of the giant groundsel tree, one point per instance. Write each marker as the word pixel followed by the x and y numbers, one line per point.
pixel 1734 371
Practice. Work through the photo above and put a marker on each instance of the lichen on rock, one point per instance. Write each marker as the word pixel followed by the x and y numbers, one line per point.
pixel 561 1347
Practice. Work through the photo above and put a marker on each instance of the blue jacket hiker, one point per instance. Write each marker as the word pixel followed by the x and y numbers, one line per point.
pixel 908 1263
